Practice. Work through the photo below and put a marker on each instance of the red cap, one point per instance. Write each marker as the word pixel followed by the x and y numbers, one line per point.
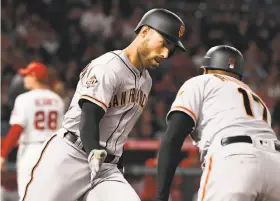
pixel 40 71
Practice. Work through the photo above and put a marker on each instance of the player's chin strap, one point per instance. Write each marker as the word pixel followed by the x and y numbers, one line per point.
pixel 96 158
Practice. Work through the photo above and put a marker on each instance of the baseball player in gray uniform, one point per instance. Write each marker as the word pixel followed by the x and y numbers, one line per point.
pixel 239 150
pixel 82 160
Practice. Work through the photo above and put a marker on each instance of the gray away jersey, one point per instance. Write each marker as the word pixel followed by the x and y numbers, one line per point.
pixel 221 106
pixel 114 84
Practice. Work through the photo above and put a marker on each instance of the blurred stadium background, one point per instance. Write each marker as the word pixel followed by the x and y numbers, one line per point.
pixel 66 34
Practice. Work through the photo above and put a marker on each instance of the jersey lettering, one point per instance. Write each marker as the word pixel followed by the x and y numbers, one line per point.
pixel 247 103
pixel 128 97
pixel 44 120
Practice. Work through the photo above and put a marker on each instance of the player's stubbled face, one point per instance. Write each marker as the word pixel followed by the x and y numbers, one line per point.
pixel 28 81
pixel 154 49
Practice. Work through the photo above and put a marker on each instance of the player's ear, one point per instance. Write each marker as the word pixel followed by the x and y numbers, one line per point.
pixel 144 31
pixel 202 70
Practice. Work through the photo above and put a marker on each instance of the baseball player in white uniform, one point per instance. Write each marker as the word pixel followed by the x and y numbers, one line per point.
pixel 240 153
pixel 36 115
pixel 82 161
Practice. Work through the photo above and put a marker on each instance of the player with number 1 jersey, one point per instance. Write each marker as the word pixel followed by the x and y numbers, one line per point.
pixel 238 148
pixel 36 115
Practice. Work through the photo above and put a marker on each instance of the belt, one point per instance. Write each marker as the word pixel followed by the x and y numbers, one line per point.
pixel 71 137
pixel 245 139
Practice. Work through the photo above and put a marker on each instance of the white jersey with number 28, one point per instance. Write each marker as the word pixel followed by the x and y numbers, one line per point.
pixel 39 112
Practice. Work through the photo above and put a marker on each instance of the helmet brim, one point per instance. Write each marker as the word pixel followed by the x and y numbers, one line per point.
pixel 181 46
pixel 175 41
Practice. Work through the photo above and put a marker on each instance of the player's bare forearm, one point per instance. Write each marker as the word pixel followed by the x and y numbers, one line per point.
pixel 179 126
pixel 89 125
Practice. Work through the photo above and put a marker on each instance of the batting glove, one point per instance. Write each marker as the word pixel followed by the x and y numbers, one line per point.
pixel 96 158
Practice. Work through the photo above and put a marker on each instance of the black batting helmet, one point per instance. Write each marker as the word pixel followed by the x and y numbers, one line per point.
pixel 225 58
pixel 167 23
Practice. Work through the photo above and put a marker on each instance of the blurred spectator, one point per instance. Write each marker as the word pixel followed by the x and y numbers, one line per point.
pixel 116 41
pixel 16 88
pixel 72 45
pixel 129 26
pixel 50 46
pixel 159 120
pixel 92 51
pixel 54 81
pixel 146 130
pixel 71 78
pixel 95 22
pixel 198 57
pixel 146 116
